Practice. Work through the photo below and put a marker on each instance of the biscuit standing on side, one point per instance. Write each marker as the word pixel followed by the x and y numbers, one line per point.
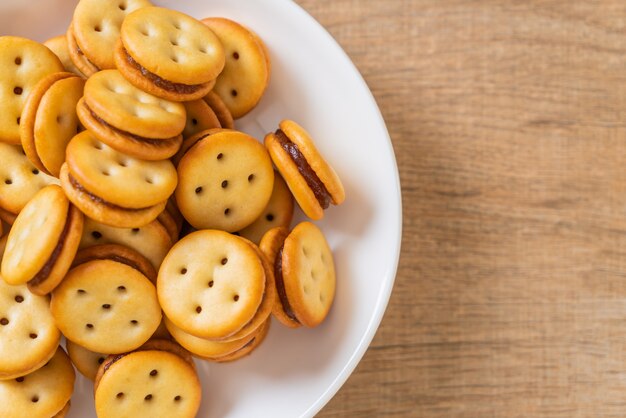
pixel 225 181
pixel 305 274
pixel 114 188
pixel 312 181
pixel 22 64
pixel 247 71
pixel 158 380
pixel 221 110
pixel 58 45
pixel 130 120
pixel 106 305
pixel 43 393
pixel 43 241
pixel 20 180
pixel 169 54
pixel 49 120
pixel 86 362
pixel 200 117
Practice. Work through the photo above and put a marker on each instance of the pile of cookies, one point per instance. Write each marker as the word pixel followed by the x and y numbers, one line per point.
pixel 137 222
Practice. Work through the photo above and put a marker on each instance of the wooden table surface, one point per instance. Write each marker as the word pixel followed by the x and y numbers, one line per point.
pixel 508 119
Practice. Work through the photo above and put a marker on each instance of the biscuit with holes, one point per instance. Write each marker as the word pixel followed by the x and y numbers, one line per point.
pixel 247 349
pixel 22 64
pixel 312 181
pixel 119 253
pixel 159 379
pixel 20 180
pixel 58 45
pixel 211 284
pixel 114 188
pixel 49 120
pixel 169 54
pixel 200 117
pixel 225 181
pixel 130 120
pixel 43 393
pixel 152 240
pixel 106 306
pixel 192 140
pixel 220 109
pixel 278 212
pixel 246 73
pixel 28 335
pixel 43 241
pixel 305 274
pixel 86 362
pixel 96 27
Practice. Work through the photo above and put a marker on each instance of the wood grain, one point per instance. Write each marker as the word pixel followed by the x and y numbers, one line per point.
pixel 508 122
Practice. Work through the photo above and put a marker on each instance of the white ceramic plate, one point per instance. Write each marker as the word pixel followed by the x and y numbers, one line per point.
pixel 294 373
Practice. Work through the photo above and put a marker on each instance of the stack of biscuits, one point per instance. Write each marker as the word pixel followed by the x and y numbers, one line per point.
pixel 136 222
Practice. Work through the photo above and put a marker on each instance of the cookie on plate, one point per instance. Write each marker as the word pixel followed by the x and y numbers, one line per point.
pixel 159 379
pixel 247 349
pixel 312 181
pixel 130 120
pixel 96 29
pixel 114 188
pixel 200 117
pixel 152 240
pixel 49 120
pixel 28 334
pixel 22 64
pixel 211 284
pixel 169 54
pixel 246 73
pixel 304 273
pixel 220 109
pixel 106 305
pixel 58 45
pixel 20 180
pixel 45 392
pixel 278 212
pixel 225 181
pixel 43 241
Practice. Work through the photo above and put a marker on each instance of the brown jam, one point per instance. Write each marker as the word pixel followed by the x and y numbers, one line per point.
pixel 95 198
pixel 161 82
pixel 280 285
pixel 43 274
pixel 314 182
pixel 151 141
pixel 113 257
pixel 113 360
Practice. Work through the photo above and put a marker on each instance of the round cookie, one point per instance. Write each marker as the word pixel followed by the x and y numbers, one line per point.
pixel 43 393
pixel 118 253
pixel 114 188
pixel 28 334
pixel 193 140
pixel 49 120
pixel 79 59
pixel 43 241
pixel 312 181
pixel 58 45
pixel 86 362
pixel 96 26
pixel 159 379
pixel 106 306
pixel 278 212
pixel 151 240
pixel 225 181
pixel 20 180
pixel 247 71
pixel 211 284
pixel 130 120
pixel 304 273
pixel 169 54
pixel 200 117
pixel 221 110
pixel 248 348
pixel 22 64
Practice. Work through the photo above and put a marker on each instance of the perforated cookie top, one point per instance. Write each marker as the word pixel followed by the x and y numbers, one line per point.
pixel 130 109
pixel 211 284
pixel 22 64
pixel 118 178
pixel 97 24
pixel 20 180
pixel 172 45
pixel 43 393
